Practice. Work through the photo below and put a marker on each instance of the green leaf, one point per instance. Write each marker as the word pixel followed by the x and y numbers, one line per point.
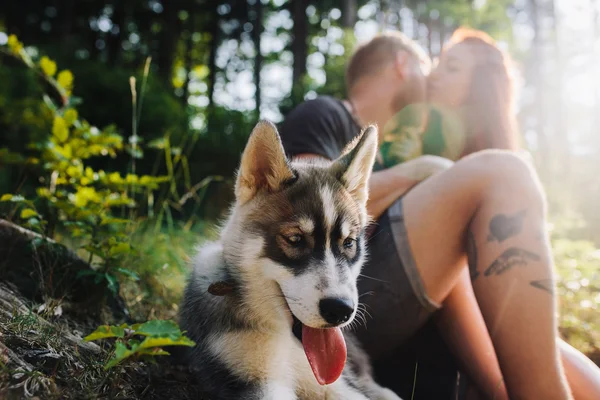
pixel 70 116
pixel 135 152
pixel 15 198
pixel 120 248
pixel 38 241
pixel 128 273
pixel 113 284
pixel 110 220
pixel 28 213
pixel 106 331
pixel 33 222
pixel 151 342
pixel 153 352
pixel 159 328
pixel 121 353
pixel 60 129
pixel 95 251
pixel 158 143
pixel 87 272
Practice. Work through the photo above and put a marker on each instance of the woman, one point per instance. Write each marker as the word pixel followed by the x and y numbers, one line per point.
pixel 473 81
pixel 472 88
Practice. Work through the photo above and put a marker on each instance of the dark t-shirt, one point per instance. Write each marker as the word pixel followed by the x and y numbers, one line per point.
pixel 320 126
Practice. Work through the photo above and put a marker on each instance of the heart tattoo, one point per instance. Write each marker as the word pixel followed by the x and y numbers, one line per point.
pixel 503 226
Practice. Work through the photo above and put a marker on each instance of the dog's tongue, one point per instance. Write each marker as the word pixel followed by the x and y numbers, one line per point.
pixel 326 352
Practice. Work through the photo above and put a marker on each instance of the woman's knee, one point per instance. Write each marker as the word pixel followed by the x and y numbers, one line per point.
pixel 505 170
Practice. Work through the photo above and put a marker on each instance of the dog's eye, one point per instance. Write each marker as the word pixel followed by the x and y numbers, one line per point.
pixel 349 243
pixel 294 240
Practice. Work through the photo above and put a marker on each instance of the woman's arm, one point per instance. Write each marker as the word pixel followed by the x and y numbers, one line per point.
pixel 462 326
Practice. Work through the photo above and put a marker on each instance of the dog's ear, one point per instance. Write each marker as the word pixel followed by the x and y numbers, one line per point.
pixel 264 164
pixel 353 167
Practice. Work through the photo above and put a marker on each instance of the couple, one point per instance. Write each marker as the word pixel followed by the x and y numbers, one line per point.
pixel 463 244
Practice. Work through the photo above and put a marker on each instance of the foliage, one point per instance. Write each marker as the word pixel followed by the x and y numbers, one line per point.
pixel 164 113
pixel 157 334
pixel 335 67
pixel 72 196
pixel 578 266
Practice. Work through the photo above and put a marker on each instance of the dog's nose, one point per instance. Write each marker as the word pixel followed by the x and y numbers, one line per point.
pixel 335 310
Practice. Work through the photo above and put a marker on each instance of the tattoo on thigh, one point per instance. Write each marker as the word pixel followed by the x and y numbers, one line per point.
pixel 504 226
pixel 511 257
pixel 472 255
pixel 544 284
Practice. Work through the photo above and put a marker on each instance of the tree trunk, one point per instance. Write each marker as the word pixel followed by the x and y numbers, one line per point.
pixel 537 81
pixel 67 24
pixel 213 30
pixel 168 40
pixel 258 59
pixel 191 24
pixel 113 41
pixel 299 46
pixel 559 140
pixel 349 14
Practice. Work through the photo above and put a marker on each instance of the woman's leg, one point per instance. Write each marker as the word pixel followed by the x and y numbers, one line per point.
pixel 462 326
pixel 491 206
pixel 582 374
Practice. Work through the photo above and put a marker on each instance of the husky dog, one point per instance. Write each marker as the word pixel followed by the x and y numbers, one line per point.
pixel 265 303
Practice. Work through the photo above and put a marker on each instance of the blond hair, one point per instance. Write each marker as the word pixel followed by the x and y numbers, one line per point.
pixel 371 56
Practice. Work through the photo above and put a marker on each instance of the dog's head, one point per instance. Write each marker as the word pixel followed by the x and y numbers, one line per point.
pixel 302 224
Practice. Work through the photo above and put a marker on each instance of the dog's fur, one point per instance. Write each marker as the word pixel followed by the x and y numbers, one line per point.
pixel 245 347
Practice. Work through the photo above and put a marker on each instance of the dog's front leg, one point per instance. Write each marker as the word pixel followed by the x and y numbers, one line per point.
pixel 274 390
pixel 341 390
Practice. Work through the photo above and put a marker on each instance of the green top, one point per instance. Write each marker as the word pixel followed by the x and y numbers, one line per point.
pixel 409 135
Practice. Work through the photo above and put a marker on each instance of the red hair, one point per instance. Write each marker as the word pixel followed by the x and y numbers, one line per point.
pixel 491 120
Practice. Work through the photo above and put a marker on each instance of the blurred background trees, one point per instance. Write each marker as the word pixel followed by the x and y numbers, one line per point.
pixel 217 66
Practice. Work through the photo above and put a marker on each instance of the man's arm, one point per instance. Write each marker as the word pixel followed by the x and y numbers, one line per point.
pixel 386 186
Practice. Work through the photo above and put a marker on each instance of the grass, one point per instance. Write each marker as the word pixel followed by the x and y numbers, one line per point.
pixel 163 266
pixel 47 358
pixel 578 267
pixel 44 359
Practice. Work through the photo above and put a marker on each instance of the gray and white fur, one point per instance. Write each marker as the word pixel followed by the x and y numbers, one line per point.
pixel 291 251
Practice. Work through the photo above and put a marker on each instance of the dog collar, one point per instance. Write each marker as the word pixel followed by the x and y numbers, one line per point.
pixel 221 288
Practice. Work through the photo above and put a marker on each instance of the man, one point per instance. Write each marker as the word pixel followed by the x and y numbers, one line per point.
pixel 488 207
